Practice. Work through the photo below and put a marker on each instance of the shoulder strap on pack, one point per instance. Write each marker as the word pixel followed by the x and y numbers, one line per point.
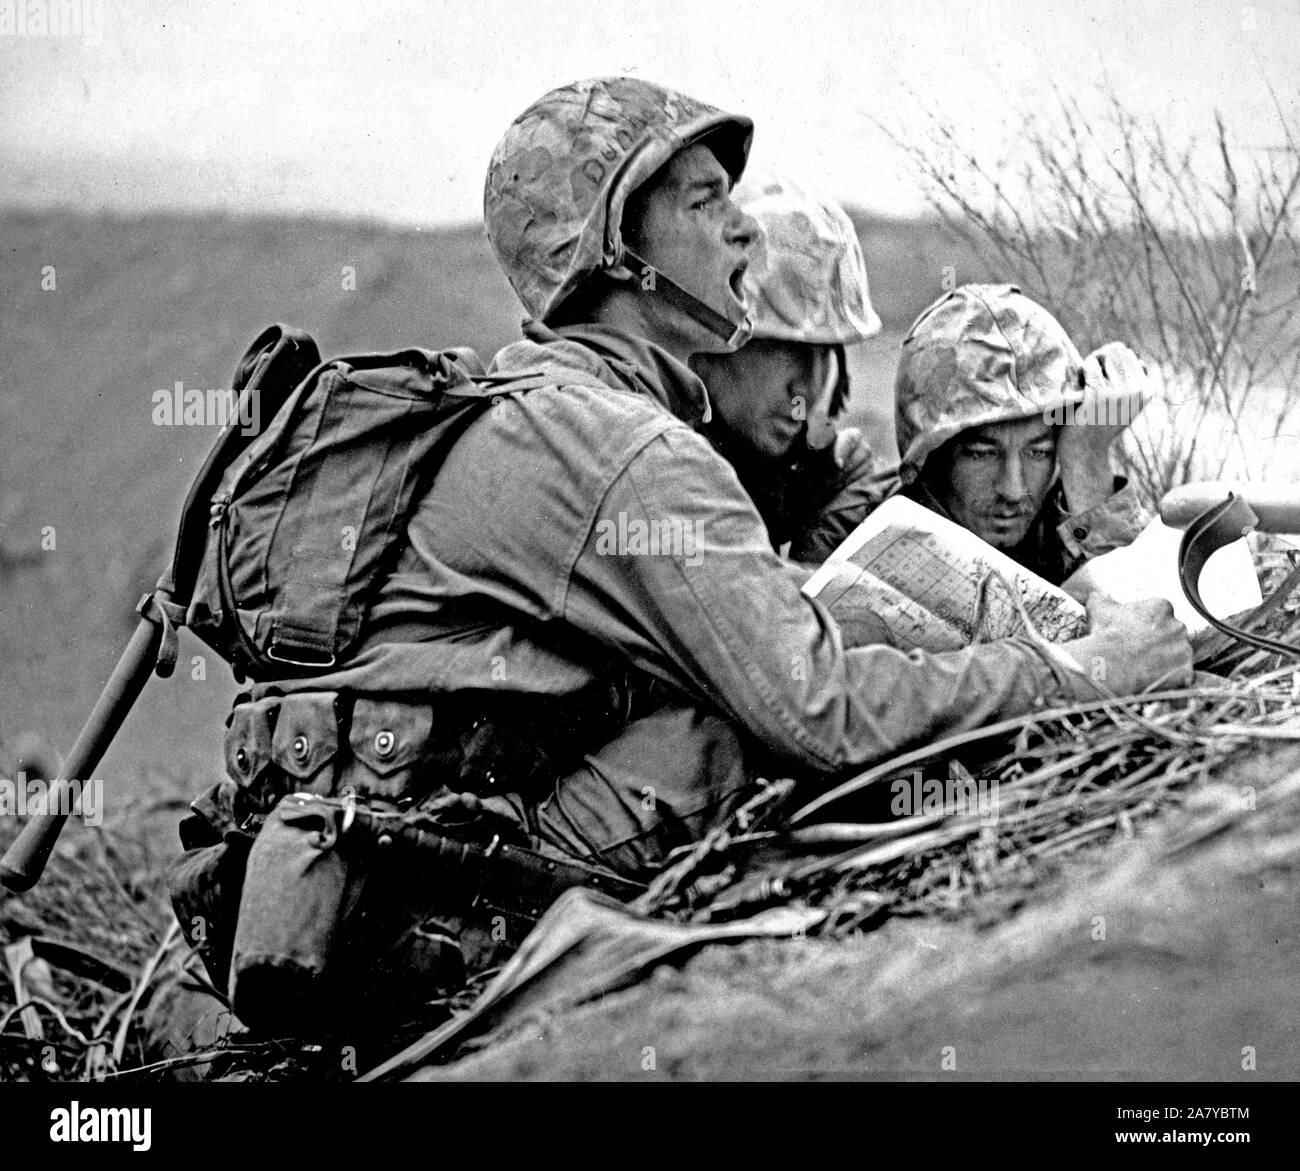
pixel 549 375
pixel 277 361
pixel 311 604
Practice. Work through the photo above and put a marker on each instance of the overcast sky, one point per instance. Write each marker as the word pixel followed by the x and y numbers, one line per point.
pixel 391 110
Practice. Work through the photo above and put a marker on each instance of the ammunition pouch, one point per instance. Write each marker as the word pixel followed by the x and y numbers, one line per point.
pixel 393 748
pixel 324 743
pixel 343 858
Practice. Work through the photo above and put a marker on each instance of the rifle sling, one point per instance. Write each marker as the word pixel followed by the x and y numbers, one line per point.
pixel 1218 526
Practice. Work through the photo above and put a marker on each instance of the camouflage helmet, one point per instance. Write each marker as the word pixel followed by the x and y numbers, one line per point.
pixel 980 354
pixel 807 280
pixel 562 173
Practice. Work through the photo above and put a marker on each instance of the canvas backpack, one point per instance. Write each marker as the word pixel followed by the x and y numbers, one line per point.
pixel 310 515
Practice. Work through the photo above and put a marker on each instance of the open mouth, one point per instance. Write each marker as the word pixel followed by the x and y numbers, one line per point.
pixel 736 282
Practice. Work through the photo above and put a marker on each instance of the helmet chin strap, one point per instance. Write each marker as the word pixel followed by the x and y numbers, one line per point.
pixel 734 334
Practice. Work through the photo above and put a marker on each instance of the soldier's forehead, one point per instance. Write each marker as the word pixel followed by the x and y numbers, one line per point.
pixel 1029 430
pixel 692 165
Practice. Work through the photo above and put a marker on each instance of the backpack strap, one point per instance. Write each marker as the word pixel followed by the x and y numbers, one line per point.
pixel 305 634
pixel 271 368
pixel 548 375
pixel 306 631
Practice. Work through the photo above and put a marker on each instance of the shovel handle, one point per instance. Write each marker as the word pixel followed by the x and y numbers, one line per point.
pixel 24 861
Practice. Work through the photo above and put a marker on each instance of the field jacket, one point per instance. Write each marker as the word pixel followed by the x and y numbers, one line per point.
pixel 586 528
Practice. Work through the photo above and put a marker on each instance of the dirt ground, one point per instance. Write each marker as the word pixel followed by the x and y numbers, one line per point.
pixel 1134 963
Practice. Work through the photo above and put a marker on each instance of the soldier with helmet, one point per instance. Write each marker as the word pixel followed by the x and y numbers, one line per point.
pixel 775 399
pixel 588 622
pixel 608 204
pixel 566 200
pixel 1004 428
pixel 586 650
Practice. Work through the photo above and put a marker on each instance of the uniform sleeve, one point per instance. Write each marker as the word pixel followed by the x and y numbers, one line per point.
pixel 677 574
pixel 1114 523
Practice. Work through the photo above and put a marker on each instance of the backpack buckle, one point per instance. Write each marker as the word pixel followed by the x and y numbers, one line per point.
pixel 327 660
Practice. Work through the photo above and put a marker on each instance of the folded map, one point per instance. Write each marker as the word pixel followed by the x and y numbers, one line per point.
pixel 915 579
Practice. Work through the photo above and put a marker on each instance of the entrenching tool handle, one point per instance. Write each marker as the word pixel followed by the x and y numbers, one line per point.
pixel 25 859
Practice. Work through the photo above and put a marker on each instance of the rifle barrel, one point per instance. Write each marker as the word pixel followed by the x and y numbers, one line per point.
pixel 1276 505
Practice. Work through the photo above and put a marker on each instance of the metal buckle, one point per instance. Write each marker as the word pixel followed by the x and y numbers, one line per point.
pixel 290 662
pixel 742 333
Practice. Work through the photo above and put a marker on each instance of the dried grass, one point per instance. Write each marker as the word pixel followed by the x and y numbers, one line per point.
pixel 1065 780
pixel 103 904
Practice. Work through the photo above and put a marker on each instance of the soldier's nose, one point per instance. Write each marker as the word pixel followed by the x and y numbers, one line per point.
pixel 1012 483
pixel 743 229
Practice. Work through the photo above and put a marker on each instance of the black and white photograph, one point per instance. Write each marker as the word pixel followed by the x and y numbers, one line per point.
pixel 643 541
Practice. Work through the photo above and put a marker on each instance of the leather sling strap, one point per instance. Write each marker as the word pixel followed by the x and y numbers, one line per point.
pixel 1217 526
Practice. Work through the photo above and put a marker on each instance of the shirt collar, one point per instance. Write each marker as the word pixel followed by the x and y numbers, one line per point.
pixel 637 364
